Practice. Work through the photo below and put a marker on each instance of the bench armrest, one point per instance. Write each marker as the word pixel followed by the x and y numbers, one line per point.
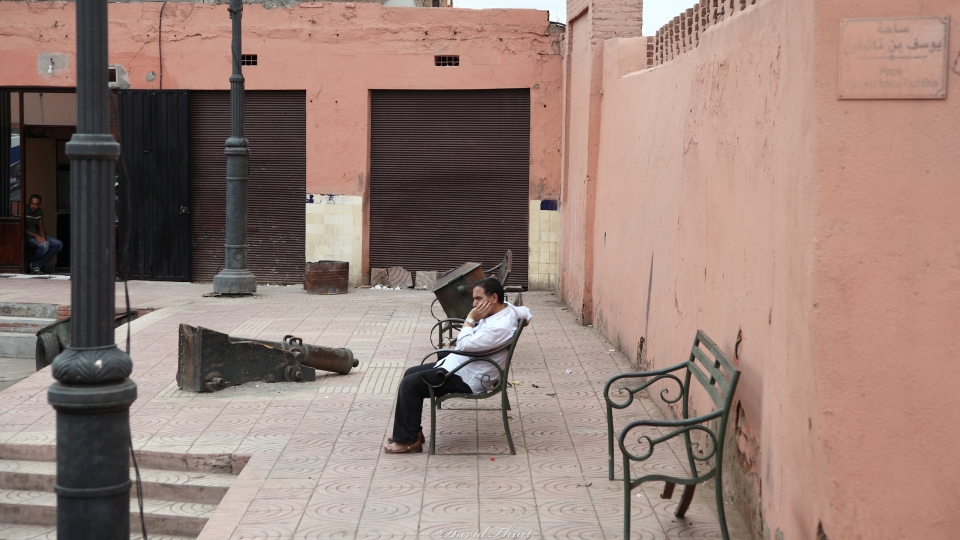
pixel 444 325
pixel 657 374
pixel 683 426
pixel 454 324
pixel 475 357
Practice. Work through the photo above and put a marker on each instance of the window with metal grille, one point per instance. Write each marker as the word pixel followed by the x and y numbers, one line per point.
pixel 446 60
pixel 248 59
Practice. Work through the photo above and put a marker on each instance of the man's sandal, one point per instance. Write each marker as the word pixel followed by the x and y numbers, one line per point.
pixel 420 438
pixel 412 448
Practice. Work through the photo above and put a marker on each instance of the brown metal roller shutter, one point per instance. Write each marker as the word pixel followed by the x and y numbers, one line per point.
pixel 449 178
pixel 276 129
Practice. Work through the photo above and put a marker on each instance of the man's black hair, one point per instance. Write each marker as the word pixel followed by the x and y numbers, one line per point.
pixel 35 196
pixel 491 286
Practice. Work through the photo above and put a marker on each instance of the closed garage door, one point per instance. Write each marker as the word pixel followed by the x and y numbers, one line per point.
pixel 276 130
pixel 449 178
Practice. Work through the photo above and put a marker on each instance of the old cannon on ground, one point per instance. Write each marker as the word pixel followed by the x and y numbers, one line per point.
pixel 210 360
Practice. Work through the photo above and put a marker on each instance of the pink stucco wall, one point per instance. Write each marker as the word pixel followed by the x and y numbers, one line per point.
pixel 590 23
pixel 825 232
pixel 336 52
pixel 885 311
pixel 574 194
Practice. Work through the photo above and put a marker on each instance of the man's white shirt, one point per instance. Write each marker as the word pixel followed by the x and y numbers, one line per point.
pixel 490 333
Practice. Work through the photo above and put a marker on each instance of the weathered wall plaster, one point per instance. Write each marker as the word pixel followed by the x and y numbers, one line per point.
pixel 573 200
pixel 886 294
pixel 824 231
pixel 704 181
pixel 50 64
pixel 591 22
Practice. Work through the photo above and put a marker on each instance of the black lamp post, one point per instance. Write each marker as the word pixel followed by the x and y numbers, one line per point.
pixel 235 278
pixel 93 392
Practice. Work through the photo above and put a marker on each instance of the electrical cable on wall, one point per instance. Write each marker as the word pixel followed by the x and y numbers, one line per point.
pixel 160 47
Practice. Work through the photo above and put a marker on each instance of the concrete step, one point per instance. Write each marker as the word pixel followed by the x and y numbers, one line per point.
pixel 17 345
pixel 49 532
pixel 184 486
pixel 25 325
pixel 22 507
pixel 14 370
pixel 23 309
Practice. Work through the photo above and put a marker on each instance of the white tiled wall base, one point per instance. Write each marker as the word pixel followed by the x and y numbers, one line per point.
pixel 544 247
pixel 335 231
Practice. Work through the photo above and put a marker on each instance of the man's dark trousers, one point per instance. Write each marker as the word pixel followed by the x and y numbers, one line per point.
pixel 43 254
pixel 413 390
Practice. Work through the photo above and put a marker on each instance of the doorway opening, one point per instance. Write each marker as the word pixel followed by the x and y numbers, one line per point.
pixel 35 126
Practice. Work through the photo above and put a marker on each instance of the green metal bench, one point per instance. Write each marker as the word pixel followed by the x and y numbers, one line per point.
pixel 448 327
pixel 720 385
pixel 500 387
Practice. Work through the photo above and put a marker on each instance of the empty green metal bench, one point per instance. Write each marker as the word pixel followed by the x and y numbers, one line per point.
pixel 719 384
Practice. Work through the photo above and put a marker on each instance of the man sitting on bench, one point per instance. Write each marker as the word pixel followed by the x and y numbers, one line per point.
pixel 489 325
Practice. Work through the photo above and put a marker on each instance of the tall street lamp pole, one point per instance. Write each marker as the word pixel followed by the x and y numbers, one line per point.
pixel 235 278
pixel 93 392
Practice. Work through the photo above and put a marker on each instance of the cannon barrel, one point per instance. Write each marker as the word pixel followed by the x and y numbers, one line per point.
pixel 332 359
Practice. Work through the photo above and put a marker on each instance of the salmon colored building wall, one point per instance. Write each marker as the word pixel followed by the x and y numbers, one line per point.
pixel 336 52
pixel 590 23
pixel 738 195
pixel 886 302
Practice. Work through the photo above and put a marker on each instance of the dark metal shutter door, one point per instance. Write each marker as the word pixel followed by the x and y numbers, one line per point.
pixel 276 129
pixel 154 175
pixel 449 178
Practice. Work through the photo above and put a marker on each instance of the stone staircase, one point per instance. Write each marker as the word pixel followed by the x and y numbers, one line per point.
pixel 19 323
pixel 179 494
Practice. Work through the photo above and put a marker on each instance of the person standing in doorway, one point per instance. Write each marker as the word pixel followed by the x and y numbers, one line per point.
pixel 43 245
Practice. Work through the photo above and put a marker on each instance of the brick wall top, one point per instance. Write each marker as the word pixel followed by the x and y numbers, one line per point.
pixel 610 18
pixel 617 18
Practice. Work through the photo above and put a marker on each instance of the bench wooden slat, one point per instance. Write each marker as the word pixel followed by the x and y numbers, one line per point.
pixel 716 352
pixel 705 382
pixel 721 380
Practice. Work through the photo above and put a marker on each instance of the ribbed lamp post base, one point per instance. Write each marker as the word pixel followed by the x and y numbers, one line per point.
pixel 235 282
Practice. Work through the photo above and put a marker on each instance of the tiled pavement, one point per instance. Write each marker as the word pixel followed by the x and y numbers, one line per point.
pixel 317 469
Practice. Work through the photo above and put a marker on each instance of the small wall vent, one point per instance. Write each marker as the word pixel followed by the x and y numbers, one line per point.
pixel 248 59
pixel 446 61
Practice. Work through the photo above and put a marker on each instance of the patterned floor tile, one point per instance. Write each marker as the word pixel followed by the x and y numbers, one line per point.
pixel 326 474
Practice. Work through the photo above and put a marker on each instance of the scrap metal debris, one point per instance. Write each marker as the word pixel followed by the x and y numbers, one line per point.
pixel 378 276
pixel 425 281
pixel 398 276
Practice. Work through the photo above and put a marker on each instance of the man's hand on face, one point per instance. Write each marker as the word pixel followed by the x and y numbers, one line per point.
pixel 481 311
